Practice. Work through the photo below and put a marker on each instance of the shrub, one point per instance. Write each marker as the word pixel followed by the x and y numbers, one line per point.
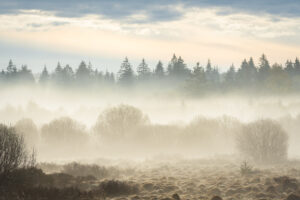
pixel 117 188
pixel 13 153
pixel 246 169
pixel 80 170
pixel 64 133
pixel 49 193
pixel 119 121
pixel 22 178
pixel 263 141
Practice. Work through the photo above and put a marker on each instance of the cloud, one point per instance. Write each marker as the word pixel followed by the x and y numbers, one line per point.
pixel 56 23
pixel 34 25
pixel 223 30
pixel 153 11
pixel 114 9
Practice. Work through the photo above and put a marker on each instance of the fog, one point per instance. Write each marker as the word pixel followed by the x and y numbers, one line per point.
pixel 187 135
pixel 174 125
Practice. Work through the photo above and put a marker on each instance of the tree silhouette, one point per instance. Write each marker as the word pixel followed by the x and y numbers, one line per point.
pixel 83 73
pixel 264 68
pixel 297 66
pixel 230 77
pixel 11 71
pixel 246 75
pixel 58 74
pixel 177 76
pixel 177 69
pixel 211 76
pixel 126 74
pixel 68 74
pixel 143 71
pixel 25 75
pixel 159 71
pixel 196 84
pixel 44 77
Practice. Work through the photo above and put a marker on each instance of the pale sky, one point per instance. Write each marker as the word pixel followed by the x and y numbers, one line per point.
pixel 41 32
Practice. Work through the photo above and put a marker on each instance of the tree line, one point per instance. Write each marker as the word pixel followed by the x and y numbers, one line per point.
pixel 200 79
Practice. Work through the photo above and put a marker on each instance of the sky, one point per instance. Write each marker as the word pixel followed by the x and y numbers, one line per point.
pixel 43 32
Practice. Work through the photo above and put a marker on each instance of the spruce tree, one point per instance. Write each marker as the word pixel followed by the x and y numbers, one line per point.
pixel 264 68
pixel 159 70
pixel 126 74
pixel 44 77
pixel 143 71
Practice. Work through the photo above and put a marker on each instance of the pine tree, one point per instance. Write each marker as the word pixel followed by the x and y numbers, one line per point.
pixel 143 71
pixel 252 71
pixel 208 71
pixel 11 71
pixel 68 74
pixel 289 67
pixel 11 68
pixel 278 80
pixel 2 76
pixel 171 65
pixel 126 74
pixel 25 75
pixel 58 68
pixel 264 68
pixel 159 70
pixel 208 67
pixel 297 66
pixel 44 77
pixel 243 75
pixel 58 74
pixel 196 84
pixel 177 69
pixel 216 76
pixel 230 76
pixel 246 75
pixel 198 73
pixel 83 73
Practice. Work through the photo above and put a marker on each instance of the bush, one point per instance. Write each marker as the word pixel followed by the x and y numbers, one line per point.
pixel 22 178
pixel 263 141
pixel 48 193
pixel 119 121
pixel 13 153
pixel 64 133
pixel 246 169
pixel 117 188
pixel 80 170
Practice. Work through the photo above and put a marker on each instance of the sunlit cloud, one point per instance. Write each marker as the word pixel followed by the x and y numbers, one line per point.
pixel 198 34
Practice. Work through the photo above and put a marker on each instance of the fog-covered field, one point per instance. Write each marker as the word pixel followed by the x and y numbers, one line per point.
pixel 214 118
pixel 133 145
pixel 149 100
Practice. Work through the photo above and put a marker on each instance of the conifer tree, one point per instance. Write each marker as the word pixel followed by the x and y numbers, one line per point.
pixel 126 74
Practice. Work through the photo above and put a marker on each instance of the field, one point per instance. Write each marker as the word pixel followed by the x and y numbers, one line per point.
pixel 172 178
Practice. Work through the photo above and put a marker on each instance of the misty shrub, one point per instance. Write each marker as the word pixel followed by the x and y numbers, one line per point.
pixel 120 121
pixel 117 188
pixel 263 141
pixel 27 128
pixel 22 178
pixel 246 169
pixel 13 152
pixel 49 168
pixel 64 133
pixel 199 130
pixel 77 169
pixel 210 134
